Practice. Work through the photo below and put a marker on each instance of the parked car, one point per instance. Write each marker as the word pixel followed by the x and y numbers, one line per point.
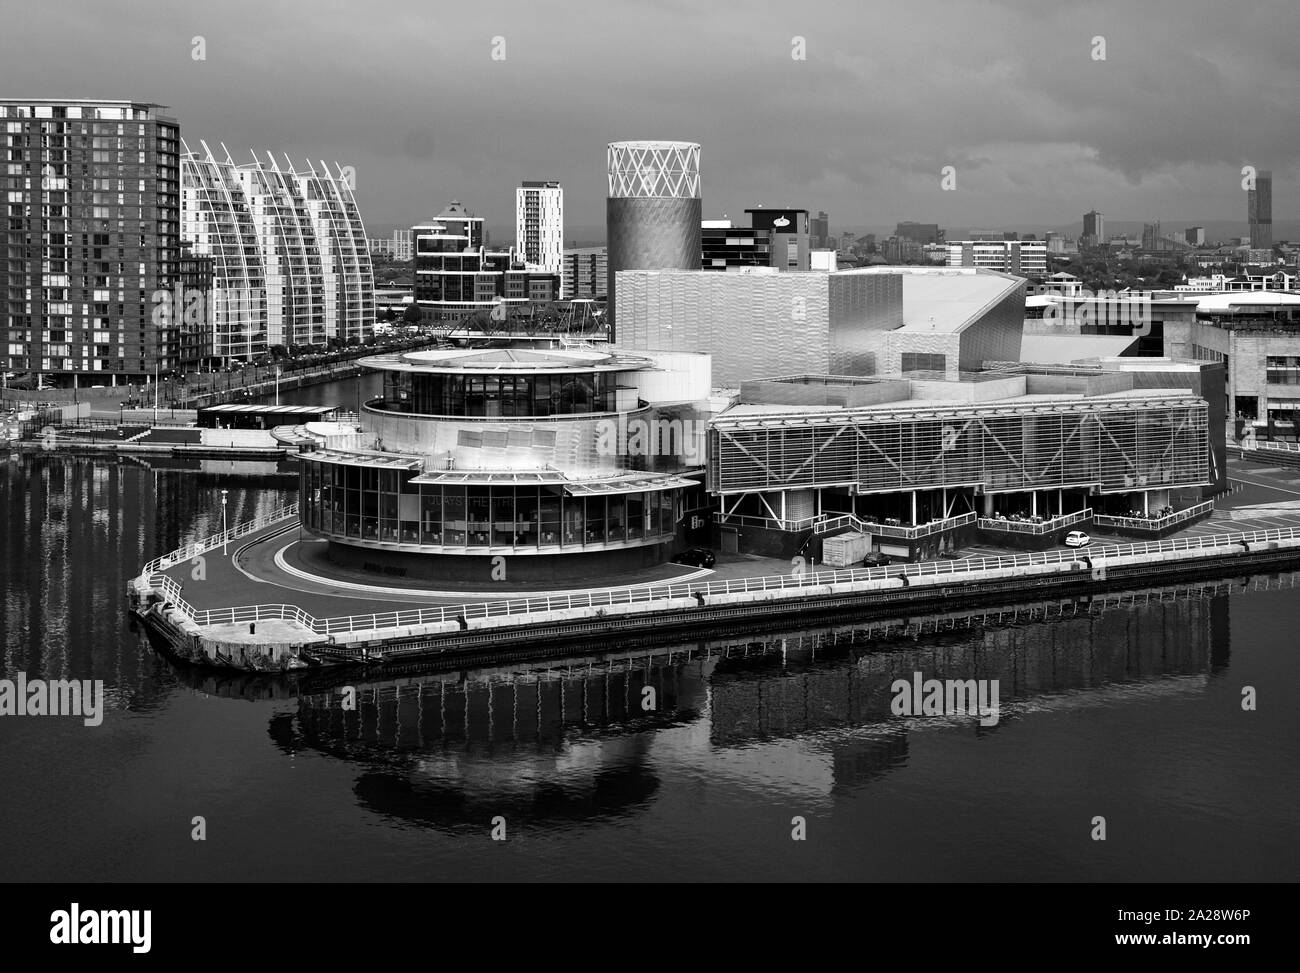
pixel 1077 538
pixel 875 559
pixel 700 557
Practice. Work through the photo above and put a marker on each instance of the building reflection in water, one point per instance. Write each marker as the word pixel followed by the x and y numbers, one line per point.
pixel 803 712
pixel 74 530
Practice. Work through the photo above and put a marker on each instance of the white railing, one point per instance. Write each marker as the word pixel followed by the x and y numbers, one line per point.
pixel 906 532
pixel 1037 527
pixel 1154 523
pixel 954 569
pixel 1270 445
pixel 195 548
pixel 767 523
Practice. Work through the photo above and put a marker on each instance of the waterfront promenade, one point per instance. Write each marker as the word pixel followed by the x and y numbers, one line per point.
pixel 272 594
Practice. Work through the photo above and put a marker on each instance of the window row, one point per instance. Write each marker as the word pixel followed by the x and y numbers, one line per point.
pixel 334 502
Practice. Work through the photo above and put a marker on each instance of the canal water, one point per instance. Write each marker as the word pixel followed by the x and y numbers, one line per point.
pixel 1127 709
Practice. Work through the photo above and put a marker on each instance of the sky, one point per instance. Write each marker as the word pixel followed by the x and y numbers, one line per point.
pixel 1010 94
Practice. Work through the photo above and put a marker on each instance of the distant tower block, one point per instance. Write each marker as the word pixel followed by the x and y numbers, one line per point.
pixel 653 213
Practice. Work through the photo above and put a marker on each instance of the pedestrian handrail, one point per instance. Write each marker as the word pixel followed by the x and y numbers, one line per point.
pixel 801 580
pixel 908 532
pixel 1035 527
pixel 1154 523
pixel 195 548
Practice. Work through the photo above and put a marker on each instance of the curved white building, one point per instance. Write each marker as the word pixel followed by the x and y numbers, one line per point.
pixel 290 260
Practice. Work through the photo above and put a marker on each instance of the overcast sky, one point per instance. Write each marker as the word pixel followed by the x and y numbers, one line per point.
pixel 889 94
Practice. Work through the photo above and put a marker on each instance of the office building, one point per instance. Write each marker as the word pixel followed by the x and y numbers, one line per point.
pixel 93 234
pixel 586 273
pixel 777 238
pixel 653 210
pixel 1019 257
pixel 919 232
pixel 539 226
pixel 457 273
pixel 1195 236
pixel 725 247
pixel 787 231
pixel 291 262
pixel 1256 334
pixel 819 231
pixel 1259 211
pixel 1094 229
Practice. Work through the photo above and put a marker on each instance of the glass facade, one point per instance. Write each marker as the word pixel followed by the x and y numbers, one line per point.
pixel 383 505
pixel 500 394
pixel 1114 449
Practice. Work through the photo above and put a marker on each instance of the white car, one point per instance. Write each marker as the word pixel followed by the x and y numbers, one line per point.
pixel 1077 538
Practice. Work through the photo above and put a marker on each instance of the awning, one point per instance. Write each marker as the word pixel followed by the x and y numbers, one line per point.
pixel 374 461
pixel 628 484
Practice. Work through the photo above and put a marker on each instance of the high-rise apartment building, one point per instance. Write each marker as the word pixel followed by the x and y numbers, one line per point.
pixel 652 213
pixel 1094 229
pixel 290 254
pixel 585 273
pixel 1151 236
pixel 1194 235
pixel 93 233
pixel 1259 211
pixel 539 226
pixel 403 245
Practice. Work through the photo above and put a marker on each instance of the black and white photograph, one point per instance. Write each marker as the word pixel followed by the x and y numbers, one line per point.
pixel 653 444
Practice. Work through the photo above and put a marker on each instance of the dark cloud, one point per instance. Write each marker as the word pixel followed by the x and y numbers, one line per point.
pixel 890 92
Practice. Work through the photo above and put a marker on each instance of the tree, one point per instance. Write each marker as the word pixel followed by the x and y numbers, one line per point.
pixel 412 314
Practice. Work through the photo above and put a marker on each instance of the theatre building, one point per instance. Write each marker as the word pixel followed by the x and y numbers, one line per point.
pixel 508 465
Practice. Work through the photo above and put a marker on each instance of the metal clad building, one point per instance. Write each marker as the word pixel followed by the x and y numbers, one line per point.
pixel 755 324
pixel 653 213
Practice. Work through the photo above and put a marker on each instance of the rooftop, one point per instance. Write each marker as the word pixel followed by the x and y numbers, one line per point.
pixel 513 361
pixel 761 416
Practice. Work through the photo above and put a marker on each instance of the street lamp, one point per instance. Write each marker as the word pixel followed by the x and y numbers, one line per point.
pixel 224 538
pixel 277 384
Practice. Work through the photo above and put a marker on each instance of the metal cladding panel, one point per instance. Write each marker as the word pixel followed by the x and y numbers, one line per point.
pixel 996 335
pixel 751 325
pixel 863 309
pixel 651 233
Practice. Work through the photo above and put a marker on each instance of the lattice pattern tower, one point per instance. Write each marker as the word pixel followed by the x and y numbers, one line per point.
pixel 652 215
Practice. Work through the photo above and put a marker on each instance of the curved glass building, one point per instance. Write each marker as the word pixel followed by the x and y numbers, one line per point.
pixel 653 213
pixel 558 460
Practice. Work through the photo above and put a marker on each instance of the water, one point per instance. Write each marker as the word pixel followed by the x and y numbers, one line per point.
pixel 1132 713
pixel 342 393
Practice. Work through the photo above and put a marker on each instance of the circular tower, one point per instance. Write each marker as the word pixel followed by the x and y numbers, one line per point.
pixel 652 215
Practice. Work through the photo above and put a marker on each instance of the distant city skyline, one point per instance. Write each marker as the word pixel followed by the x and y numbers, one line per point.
pixel 867 121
